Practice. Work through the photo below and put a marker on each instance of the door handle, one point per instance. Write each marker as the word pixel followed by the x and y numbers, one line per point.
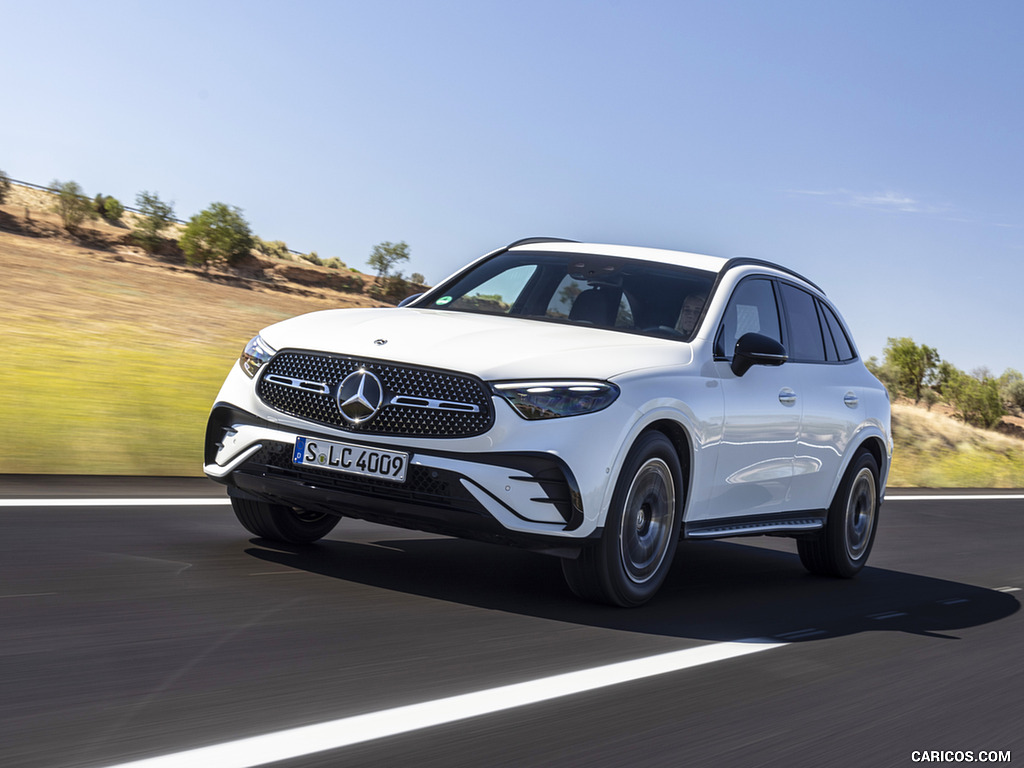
pixel 851 400
pixel 787 396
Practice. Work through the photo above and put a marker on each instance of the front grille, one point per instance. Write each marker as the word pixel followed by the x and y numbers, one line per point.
pixel 417 402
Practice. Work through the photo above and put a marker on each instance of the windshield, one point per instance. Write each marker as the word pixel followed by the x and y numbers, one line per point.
pixel 626 295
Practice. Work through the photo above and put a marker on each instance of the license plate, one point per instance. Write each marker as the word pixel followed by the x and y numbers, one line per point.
pixel 351 459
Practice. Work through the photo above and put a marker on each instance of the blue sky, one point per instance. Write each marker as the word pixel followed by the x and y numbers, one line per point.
pixel 874 146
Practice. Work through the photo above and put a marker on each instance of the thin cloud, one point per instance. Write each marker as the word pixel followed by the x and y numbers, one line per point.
pixel 886 200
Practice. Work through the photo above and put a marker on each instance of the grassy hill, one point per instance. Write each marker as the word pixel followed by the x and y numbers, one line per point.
pixel 113 357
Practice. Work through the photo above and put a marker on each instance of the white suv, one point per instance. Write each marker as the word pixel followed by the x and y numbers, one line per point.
pixel 595 402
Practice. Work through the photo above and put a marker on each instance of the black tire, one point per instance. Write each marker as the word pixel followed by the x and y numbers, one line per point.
pixel 280 523
pixel 630 561
pixel 842 548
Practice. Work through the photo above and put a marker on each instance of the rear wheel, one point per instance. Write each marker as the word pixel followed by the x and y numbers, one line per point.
pixel 630 562
pixel 842 548
pixel 280 523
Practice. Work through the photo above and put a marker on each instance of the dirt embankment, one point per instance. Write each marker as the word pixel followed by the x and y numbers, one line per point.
pixel 38 256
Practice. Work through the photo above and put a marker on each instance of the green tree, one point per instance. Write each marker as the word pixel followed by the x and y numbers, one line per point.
pixel 72 205
pixel 976 399
pixel 156 216
pixel 386 255
pixel 219 233
pixel 1011 388
pixel 913 366
pixel 5 186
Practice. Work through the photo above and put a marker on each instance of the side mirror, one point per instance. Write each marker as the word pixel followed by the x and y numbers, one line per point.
pixel 409 299
pixel 756 349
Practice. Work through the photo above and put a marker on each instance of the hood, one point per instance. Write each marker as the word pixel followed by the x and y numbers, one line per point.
pixel 491 347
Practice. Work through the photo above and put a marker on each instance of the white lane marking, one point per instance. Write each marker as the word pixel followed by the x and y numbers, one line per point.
pixel 310 739
pixel 30 594
pixel 1007 589
pixel 966 497
pixel 114 502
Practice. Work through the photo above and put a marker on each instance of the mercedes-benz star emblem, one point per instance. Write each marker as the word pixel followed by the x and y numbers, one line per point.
pixel 360 396
pixel 380 342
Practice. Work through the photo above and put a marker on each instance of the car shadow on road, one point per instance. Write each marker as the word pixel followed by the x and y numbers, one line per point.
pixel 716 590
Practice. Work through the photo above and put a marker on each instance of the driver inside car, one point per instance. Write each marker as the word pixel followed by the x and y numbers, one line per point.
pixel 689 314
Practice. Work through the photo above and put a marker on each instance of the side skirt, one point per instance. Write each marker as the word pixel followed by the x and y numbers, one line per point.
pixel 787 524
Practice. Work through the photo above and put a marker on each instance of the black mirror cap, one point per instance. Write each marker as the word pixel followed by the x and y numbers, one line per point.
pixel 756 349
pixel 409 299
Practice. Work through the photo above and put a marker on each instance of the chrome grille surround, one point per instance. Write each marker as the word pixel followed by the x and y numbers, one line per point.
pixel 417 402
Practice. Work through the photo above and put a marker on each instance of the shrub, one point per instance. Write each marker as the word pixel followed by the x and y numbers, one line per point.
pixel 219 233
pixel 5 186
pixel 312 258
pixel 274 249
pixel 334 263
pixel 112 209
pixel 71 204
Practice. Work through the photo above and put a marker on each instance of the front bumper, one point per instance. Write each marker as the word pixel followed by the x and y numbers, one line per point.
pixel 522 498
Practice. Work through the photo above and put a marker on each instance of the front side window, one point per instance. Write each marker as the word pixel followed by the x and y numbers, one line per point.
pixel 752 309
pixel 630 295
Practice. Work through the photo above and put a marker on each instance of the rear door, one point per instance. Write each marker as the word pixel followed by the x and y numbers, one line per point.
pixel 821 360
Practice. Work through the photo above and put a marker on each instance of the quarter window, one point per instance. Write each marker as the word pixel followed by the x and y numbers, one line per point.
pixel 844 349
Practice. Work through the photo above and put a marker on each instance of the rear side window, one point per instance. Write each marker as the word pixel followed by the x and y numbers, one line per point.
pixel 844 349
pixel 806 343
pixel 752 309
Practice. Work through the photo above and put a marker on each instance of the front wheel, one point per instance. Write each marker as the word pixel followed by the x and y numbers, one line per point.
pixel 842 548
pixel 630 562
pixel 280 523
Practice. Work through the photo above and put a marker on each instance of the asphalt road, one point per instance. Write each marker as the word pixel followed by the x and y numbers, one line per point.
pixel 129 630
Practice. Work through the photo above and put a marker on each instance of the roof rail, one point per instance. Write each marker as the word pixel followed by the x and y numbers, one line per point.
pixel 528 240
pixel 741 261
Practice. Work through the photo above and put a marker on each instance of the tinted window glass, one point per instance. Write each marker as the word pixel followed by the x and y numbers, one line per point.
pixel 843 346
pixel 497 294
pixel 752 309
pixel 831 354
pixel 805 341
pixel 635 296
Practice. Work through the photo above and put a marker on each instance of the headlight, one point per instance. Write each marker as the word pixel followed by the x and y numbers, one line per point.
pixel 553 399
pixel 255 355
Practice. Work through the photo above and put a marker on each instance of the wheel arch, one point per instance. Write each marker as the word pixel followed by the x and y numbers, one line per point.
pixel 680 438
pixel 875 445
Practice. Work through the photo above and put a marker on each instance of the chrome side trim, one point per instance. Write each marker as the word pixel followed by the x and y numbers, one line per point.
pixel 437 405
pixel 309 386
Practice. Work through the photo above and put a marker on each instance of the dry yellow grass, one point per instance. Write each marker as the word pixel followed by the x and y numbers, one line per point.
pixel 934 450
